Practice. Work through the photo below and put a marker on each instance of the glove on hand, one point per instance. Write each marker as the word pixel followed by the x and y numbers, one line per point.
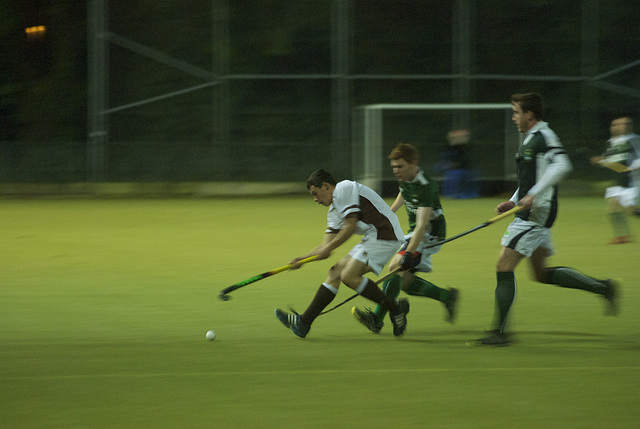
pixel 409 260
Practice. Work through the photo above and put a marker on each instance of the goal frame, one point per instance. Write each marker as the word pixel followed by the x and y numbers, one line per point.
pixel 368 165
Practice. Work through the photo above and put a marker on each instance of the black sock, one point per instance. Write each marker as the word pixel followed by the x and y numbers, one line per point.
pixel 505 295
pixel 571 278
pixel 323 297
pixel 373 293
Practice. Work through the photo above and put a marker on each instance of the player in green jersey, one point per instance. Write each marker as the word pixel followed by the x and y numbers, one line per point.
pixel 427 226
pixel 541 163
pixel 623 148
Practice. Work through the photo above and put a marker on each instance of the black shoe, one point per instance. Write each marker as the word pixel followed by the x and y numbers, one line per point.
pixel 496 339
pixel 451 305
pixel 293 322
pixel 612 295
pixel 399 319
pixel 368 319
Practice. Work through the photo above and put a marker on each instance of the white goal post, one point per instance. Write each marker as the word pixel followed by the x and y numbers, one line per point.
pixel 426 126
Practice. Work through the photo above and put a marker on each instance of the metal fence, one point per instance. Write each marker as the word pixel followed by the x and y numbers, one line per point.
pixel 265 90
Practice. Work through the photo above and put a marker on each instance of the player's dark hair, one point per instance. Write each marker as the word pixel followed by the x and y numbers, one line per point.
pixel 530 101
pixel 404 151
pixel 318 177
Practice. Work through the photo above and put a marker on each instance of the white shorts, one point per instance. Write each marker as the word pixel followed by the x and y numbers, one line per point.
pixel 425 262
pixel 374 253
pixel 526 237
pixel 627 197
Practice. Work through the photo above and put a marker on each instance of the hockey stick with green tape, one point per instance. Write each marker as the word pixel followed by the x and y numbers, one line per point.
pixel 224 293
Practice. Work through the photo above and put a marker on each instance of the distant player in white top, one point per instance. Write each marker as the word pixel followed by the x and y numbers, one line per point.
pixel 542 163
pixel 353 209
pixel 623 148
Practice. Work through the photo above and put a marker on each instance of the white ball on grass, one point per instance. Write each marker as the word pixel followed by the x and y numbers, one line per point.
pixel 211 335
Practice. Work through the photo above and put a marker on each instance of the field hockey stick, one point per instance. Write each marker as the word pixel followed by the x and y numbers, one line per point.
pixel 475 228
pixel 615 166
pixel 377 282
pixel 223 295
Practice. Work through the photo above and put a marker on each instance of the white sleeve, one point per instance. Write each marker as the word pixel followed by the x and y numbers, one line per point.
pixel 334 223
pixel 558 168
pixel 514 197
pixel 346 198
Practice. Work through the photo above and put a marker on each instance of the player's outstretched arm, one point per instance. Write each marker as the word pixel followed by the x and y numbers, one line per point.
pixel 399 202
pixel 326 238
pixel 348 228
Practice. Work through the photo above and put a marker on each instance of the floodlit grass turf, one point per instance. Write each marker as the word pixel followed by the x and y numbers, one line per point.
pixel 104 306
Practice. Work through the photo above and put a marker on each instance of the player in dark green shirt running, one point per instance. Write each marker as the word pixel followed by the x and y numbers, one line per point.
pixel 427 226
pixel 541 163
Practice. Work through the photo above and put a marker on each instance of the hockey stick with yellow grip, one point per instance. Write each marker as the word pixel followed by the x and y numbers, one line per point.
pixel 615 166
pixel 224 293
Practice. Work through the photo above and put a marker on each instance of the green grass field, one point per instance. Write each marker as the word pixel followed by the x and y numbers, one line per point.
pixel 104 306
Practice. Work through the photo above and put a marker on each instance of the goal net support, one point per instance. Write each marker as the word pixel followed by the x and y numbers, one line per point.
pixel 378 128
